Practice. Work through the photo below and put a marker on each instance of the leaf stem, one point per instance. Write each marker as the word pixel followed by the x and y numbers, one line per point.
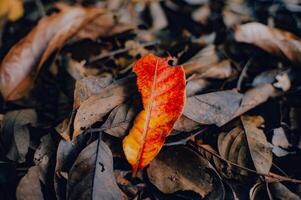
pixel 270 174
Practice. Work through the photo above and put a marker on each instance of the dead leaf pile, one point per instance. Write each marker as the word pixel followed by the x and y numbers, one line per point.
pixel 143 100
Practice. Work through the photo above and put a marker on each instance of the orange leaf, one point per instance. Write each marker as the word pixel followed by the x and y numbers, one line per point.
pixel 22 63
pixel 162 88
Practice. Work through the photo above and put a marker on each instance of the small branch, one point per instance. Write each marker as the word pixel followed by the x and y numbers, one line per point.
pixel 119 51
pixel 185 140
pixel 244 73
pixel 270 175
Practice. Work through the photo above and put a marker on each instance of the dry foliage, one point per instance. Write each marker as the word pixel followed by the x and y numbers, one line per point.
pixel 119 99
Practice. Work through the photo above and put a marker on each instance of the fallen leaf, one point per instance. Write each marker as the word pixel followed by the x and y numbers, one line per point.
pixel 223 106
pixel 233 146
pixel 120 119
pixel 162 88
pixel 77 69
pixel 260 150
pixel 11 9
pixel 15 137
pixel 272 40
pixel 88 86
pixel 158 16
pixel 220 70
pixel 281 192
pixel 213 108
pixel 97 106
pixel 67 153
pixel 185 124
pixel 274 190
pixel 196 85
pixel 258 191
pixel 279 138
pixel 183 171
pixel 44 156
pixel 265 77
pixel 22 63
pixel 202 61
pixel 29 188
pixel 107 24
pixel 91 176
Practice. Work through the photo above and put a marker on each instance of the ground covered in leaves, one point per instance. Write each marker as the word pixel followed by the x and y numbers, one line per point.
pixel 69 97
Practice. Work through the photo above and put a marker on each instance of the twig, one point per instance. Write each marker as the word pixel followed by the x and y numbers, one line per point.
pixel 244 73
pixel 119 51
pixel 270 175
pixel 184 141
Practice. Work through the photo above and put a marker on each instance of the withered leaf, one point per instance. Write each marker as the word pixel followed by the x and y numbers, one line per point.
pixel 274 190
pixel 88 86
pixel 158 16
pixel 15 137
pixel 213 108
pixel 66 155
pixel 220 70
pixel 183 171
pixel 281 192
pixel 103 25
pixel 185 124
pixel 120 119
pixel 258 191
pixel 202 61
pixel 44 156
pixel 260 150
pixel 272 40
pixel 222 106
pixel 97 106
pixel 196 85
pixel 29 187
pixel 91 176
pixel 21 65
pixel 233 146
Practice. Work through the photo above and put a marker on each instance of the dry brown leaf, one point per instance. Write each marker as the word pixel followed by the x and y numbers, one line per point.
pixel 86 87
pixel 22 63
pixel 202 61
pixel 185 124
pixel 158 16
pixel 30 188
pixel 279 191
pixel 103 25
pixel 196 85
pixel 15 137
pixel 233 146
pixel 272 40
pixel 97 106
pixel 66 155
pixel 260 149
pixel 220 70
pixel 91 176
pixel 178 169
pixel 213 108
pixel 222 106
pixel 120 119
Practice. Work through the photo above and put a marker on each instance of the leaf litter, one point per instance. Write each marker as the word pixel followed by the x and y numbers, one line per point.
pixel 92 106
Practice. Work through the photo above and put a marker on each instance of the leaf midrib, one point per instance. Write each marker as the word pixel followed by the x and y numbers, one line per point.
pixel 147 119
